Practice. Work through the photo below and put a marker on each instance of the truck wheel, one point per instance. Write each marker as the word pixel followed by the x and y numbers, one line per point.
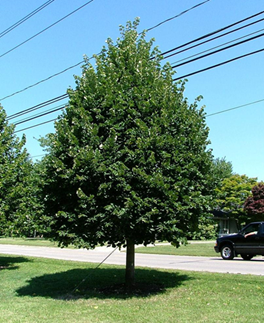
pixel 246 256
pixel 227 252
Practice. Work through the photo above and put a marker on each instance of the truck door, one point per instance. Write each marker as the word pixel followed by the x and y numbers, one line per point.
pixel 260 239
pixel 249 240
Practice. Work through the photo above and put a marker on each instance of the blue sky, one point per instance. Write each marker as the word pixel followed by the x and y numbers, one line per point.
pixel 236 135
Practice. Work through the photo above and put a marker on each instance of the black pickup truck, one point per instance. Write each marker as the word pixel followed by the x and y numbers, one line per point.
pixel 248 242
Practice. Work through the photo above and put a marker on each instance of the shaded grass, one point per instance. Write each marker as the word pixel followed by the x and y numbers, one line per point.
pixel 40 290
pixel 204 249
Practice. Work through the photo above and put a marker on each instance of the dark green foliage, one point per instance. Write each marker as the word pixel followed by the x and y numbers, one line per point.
pixel 129 158
pixel 206 230
pixel 16 213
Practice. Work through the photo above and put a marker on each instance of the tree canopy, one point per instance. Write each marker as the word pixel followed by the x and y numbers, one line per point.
pixel 232 193
pixel 128 163
pixel 222 169
pixel 15 171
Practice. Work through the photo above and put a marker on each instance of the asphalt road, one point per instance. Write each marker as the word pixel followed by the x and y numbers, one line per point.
pixel 213 264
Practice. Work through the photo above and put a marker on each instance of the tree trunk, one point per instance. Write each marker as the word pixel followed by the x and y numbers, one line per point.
pixel 130 264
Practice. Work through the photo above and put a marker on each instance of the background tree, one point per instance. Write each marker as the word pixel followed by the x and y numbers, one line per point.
pixel 15 170
pixel 128 163
pixel 232 193
pixel 254 205
pixel 207 227
pixel 31 221
pixel 222 169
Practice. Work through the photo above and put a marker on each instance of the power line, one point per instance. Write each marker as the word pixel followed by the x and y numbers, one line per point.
pixel 238 107
pixel 37 125
pixel 37 156
pixel 75 65
pixel 43 30
pixel 218 50
pixel 219 64
pixel 38 106
pixel 61 97
pixel 208 115
pixel 44 80
pixel 212 33
pixel 211 39
pixel 41 105
pixel 42 114
pixel 31 14
pixel 178 15
pixel 208 50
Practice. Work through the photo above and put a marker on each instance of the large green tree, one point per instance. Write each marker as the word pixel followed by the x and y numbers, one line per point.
pixel 15 171
pixel 128 163
pixel 232 194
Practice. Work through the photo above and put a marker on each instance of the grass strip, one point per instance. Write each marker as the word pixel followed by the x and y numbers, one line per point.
pixel 204 249
pixel 41 242
pixel 40 290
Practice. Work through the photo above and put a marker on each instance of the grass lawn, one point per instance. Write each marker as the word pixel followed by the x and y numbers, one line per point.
pixel 28 242
pixel 41 290
pixel 205 249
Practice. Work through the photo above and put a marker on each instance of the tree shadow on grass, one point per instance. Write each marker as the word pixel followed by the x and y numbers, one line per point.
pixel 101 283
pixel 9 262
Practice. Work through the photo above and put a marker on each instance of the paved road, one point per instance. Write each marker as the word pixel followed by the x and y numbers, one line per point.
pixel 214 264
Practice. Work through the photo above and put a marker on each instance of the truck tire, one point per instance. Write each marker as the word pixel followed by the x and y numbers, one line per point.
pixel 246 256
pixel 227 252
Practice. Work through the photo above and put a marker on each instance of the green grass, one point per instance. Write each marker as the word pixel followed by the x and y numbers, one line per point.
pixel 205 249
pixel 28 242
pixel 41 290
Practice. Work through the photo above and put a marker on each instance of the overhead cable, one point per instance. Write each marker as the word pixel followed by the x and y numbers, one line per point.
pixel 61 97
pixel 41 105
pixel 38 106
pixel 43 30
pixel 238 107
pixel 219 64
pixel 31 14
pixel 37 156
pixel 175 79
pixel 218 46
pixel 178 15
pixel 211 33
pixel 75 65
pixel 211 39
pixel 64 96
pixel 46 79
pixel 42 114
pixel 37 125
pixel 218 50
pixel 208 115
